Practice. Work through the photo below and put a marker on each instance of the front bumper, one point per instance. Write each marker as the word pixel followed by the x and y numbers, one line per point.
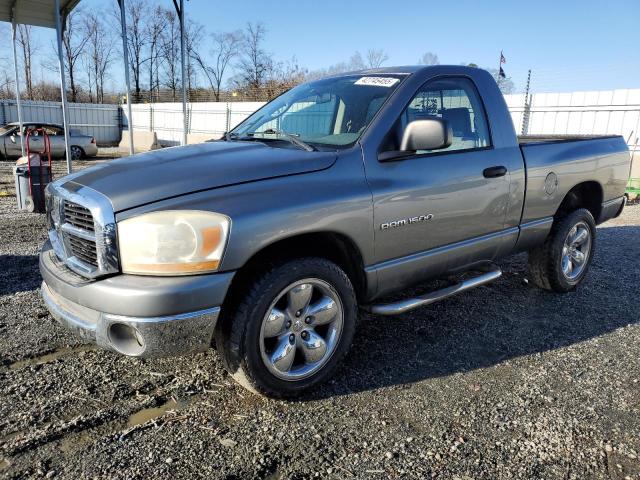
pixel 135 315
pixel 136 336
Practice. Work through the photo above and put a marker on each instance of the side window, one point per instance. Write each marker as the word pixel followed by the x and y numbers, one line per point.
pixel 51 130
pixel 457 101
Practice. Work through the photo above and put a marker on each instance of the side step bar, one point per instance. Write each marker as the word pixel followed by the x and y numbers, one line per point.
pixel 432 297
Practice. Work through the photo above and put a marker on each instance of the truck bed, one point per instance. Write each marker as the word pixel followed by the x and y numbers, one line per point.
pixel 528 139
pixel 555 163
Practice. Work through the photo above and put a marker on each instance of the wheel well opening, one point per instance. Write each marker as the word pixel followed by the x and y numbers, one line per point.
pixel 584 195
pixel 332 246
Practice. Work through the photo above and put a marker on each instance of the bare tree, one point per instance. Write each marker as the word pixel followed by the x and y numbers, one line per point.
pixel 376 57
pixel 355 63
pixel 505 84
pixel 226 47
pixel 288 73
pixel 429 58
pixel 99 54
pixel 256 63
pixel 74 40
pixel 6 84
pixel 137 39
pixel 156 24
pixel 86 62
pixel 170 52
pixel 192 39
pixel 27 45
pixel 6 67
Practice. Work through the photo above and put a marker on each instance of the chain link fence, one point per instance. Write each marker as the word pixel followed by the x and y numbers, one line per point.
pixel 244 94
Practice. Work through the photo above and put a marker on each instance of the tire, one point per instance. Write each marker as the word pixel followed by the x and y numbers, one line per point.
pixel 250 333
pixel 548 263
pixel 76 152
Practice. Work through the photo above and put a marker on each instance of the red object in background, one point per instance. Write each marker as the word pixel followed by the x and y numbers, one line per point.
pixel 46 149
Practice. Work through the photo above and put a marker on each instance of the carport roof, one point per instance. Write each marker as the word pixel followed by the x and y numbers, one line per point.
pixel 39 13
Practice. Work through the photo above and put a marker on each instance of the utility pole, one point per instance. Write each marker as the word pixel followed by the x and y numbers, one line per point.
pixel 527 106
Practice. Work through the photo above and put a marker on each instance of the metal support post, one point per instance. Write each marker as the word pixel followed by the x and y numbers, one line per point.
pixel 63 87
pixel 125 55
pixel 17 80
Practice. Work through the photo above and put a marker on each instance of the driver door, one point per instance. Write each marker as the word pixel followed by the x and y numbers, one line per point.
pixel 435 211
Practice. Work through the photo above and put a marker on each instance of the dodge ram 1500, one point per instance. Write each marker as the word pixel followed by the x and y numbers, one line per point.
pixel 327 199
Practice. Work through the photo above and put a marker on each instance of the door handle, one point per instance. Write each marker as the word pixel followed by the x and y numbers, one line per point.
pixel 494 172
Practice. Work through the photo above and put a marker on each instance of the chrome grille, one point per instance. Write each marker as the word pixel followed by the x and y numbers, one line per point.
pixel 83 246
pixel 82 229
pixel 78 216
pixel 84 250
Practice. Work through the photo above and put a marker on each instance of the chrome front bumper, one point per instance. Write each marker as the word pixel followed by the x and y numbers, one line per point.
pixel 135 315
pixel 136 336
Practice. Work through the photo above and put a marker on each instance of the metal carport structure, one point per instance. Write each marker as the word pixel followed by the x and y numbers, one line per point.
pixel 53 14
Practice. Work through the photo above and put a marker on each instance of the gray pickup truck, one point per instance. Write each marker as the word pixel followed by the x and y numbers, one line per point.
pixel 332 196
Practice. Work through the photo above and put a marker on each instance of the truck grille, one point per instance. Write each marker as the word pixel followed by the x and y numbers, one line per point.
pixel 82 230
pixel 78 216
pixel 82 248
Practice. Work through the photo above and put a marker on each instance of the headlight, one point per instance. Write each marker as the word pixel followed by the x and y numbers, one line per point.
pixel 172 242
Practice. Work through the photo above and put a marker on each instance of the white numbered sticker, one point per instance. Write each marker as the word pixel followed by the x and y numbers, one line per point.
pixel 377 81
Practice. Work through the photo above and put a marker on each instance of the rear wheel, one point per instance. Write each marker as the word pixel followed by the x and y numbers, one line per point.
pixel 292 328
pixel 76 152
pixel 561 263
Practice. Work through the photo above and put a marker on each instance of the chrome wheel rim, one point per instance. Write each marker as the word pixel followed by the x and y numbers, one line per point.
pixel 576 251
pixel 301 329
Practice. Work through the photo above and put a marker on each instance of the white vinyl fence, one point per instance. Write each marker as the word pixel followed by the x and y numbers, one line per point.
pixel 599 112
pixel 581 113
pixel 203 118
pixel 609 112
pixel 102 121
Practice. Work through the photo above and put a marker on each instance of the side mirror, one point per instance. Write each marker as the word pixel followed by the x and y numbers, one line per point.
pixel 429 134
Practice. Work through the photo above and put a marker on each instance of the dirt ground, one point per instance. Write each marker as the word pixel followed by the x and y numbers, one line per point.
pixel 503 382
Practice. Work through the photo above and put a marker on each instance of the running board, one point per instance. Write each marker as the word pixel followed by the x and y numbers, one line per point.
pixel 409 304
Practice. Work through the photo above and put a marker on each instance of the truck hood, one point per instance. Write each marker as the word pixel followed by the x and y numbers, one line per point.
pixel 170 172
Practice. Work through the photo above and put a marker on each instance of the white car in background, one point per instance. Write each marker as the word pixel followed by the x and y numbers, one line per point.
pixel 81 145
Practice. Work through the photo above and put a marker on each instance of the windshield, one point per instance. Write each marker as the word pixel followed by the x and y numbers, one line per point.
pixel 332 112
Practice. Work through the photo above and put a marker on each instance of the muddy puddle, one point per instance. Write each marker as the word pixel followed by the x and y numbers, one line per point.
pixel 147 414
pixel 50 357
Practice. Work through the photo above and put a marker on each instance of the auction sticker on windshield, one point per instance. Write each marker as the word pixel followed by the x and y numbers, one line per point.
pixel 377 81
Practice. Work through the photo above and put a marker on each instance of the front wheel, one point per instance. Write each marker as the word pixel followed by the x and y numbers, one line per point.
pixel 561 263
pixel 292 328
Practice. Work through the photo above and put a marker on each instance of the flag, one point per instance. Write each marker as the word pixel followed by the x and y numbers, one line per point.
pixel 502 59
pixel 501 73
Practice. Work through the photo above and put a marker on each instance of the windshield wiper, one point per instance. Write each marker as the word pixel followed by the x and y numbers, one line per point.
pixel 270 131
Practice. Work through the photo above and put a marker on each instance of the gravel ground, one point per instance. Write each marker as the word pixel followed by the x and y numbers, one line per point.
pixel 503 382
